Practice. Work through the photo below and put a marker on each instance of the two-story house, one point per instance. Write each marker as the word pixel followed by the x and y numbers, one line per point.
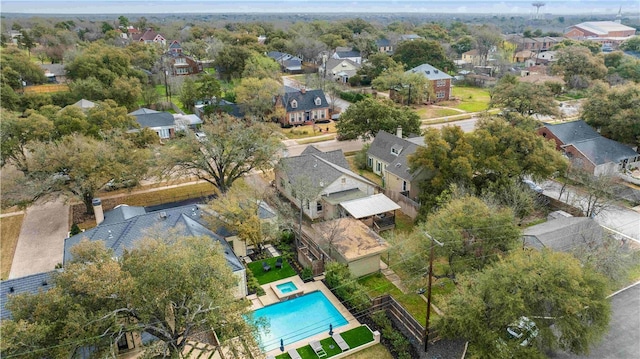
pixel 303 106
pixel 384 45
pixel 338 70
pixel 440 81
pixel 288 63
pixel 347 53
pixel 150 37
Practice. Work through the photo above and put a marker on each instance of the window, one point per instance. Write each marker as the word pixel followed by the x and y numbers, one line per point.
pixel 404 186
pixel 182 71
pixel 378 167
pixel 318 101
pixel 319 207
pixel 441 83
pixel 164 133
pixel 440 94
pixel 370 162
pixel 344 180
pixel 181 60
pixel 294 104
pixel 292 117
pixel 322 114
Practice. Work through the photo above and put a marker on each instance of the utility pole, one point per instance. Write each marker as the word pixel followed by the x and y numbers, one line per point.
pixel 426 329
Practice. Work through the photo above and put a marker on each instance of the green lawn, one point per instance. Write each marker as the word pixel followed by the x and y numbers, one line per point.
pixel 354 337
pixel 274 274
pixel 378 285
pixel 472 99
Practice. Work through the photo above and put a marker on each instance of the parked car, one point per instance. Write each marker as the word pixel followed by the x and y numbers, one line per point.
pixel 534 187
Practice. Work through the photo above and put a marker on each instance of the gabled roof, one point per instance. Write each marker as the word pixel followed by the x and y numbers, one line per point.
pixel 340 63
pixel 305 101
pixel 319 168
pixel 383 42
pixel 279 56
pixel 400 166
pixel 409 37
pixel 601 150
pixel 384 142
pixel 56 69
pixel 569 132
pixel 33 284
pixel 121 235
pixel 175 45
pixel 150 118
pixel 348 53
pixel 150 35
pixel 563 234
pixel 143 111
pixel 429 72
pixel 84 104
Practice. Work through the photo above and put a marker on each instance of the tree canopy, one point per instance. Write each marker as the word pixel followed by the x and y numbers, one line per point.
pixel 417 52
pixel 578 66
pixel 231 149
pixel 523 97
pixel 566 301
pixel 98 298
pixel 366 118
pixel 614 112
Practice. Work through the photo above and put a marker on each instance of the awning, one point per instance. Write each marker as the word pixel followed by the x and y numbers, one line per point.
pixel 369 206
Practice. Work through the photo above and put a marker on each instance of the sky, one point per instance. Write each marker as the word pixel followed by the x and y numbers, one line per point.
pixel 555 7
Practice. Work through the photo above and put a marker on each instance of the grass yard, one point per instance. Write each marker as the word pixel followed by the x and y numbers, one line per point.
pixel 318 129
pixel 364 173
pixel 428 112
pixel 9 232
pixel 377 351
pixel 404 223
pixel 354 338
pixel 472 99
pixel 274 274
pixel 378 284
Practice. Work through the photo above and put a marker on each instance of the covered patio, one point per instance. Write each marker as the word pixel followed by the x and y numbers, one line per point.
pixel 377 211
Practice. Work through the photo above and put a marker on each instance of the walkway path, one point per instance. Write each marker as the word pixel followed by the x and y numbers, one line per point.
pixel 41 240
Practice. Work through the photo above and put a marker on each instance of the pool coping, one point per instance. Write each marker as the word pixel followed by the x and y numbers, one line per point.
pixel 306 287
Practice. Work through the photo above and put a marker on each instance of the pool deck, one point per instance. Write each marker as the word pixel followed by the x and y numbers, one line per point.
pixel 271 298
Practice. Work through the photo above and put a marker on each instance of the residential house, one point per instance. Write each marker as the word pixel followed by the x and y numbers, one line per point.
pixel 388 157
pixel 563 234
pixel 288 63
pixel 350 242
pixel 55 73
pixel 588 149
pixel 339 70
pixel 84 105
pixel 182 64
pixel 150 37
pixel 187 122
pixel 409 37
pixel 32 284
pixel 347 53
pixel 535 44
pixel 384 45
pixel 175 47
pixel 220 106
pixel 440 81
pixel 321 180
pixel 122 227
pixel 303 106
pixel 472 57
pixel 605 32
pixel 546 57
pixel 162 123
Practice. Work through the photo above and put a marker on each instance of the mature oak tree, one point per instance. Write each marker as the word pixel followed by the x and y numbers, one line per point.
pixel 256 96
pixel 578 66
pixel 523 97
pixel 567 303
pixel 366 118
pixel 417 52
pixel 17 134
pixel 231 149
pixel 99 298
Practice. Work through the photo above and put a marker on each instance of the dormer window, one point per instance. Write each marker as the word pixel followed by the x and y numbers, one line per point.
pixel 294 104
pixel 396 149
pixel 318 101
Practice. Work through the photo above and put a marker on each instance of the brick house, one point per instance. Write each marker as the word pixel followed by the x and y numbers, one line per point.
pixel 303 106
pixel 440 81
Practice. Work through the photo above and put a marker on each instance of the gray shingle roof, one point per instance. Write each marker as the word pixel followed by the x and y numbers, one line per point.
pixel 383 42
pixel 563 234
pixel 384 142
pixel 30 284
pixel 158 119
pixel 305 101
pixel 123 235
pixel 400 166
pixel 345 54
pixel 601 150
pixel 319 168
pixel 122 213
pixel 574 131
pixel 429 72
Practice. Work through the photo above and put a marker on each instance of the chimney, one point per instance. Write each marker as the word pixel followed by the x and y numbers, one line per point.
pixel 97 210
pixel 303 90
pixel 399 132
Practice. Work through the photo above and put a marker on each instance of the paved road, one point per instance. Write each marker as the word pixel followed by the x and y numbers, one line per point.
pixel 620 219
pixel 467 125
pixel 622 341
pixel 41 241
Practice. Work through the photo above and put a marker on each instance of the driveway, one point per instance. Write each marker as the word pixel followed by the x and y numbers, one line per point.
pixel 41 240
pixel 623 220
pixel 622 341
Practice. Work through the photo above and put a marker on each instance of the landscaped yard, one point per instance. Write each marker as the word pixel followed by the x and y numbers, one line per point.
pixel 364 173
pixel 354 338
pixel 472 99
pixel 9 232
pixel 318 129
pixel 272 275
pixel 377 351
pixel 378 285
pixel 429 112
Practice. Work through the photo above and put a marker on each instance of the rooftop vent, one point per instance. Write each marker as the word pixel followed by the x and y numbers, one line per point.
pixel 11 290
pixel 435 71
pixel 44 283
pixel 428 72
pixel 163 215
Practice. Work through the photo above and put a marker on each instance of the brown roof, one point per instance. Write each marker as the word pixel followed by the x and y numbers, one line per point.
pixel 350 237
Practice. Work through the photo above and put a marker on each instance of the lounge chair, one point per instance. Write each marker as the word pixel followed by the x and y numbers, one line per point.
pixel 266 267
pixel 279 262
pixel 340 341
pixel 317 347
pixel 294 354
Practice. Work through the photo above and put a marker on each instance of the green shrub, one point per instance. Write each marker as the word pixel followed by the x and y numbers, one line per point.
pixel 361 157
pixel 252 284
pixel 345 286
pixel 306 273
pixel 353 96
pixel 75 230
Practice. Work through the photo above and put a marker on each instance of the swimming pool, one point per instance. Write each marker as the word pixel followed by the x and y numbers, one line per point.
pixel 287 287
pixel 296 319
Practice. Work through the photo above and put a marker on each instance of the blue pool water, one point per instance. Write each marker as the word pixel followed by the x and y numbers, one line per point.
pixel 296 319
pixel 287 287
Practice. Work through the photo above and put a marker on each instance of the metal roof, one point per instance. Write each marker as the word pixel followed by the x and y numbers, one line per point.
pixel 369 206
